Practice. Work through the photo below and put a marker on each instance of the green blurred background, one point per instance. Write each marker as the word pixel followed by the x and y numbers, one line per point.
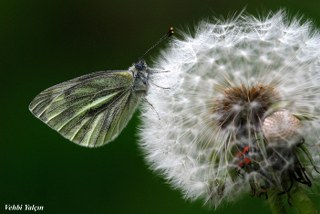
pixel 44 42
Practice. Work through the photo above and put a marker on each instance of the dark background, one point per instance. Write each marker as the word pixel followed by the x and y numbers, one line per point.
pixel 44 42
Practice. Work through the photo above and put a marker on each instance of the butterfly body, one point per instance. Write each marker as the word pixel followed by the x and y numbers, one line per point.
pixel 93 109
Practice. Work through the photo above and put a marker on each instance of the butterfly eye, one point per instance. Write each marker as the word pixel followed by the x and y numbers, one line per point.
pixel 140 65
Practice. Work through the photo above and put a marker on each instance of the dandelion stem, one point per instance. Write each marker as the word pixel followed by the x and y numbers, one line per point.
pixel 301 201
pixel 276 203
pixel 298 199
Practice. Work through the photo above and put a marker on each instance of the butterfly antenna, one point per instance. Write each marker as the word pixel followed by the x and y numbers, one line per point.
pixel 164 37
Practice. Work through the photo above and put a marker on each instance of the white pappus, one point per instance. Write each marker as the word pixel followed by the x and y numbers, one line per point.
pixel 229 83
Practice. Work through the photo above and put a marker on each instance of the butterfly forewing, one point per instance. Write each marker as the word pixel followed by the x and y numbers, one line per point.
pixel 90 110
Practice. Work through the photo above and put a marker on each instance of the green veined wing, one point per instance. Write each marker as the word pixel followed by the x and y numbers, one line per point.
pixel 90 110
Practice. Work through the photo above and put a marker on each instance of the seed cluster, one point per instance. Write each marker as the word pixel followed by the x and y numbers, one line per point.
pixel 242 108
pixel 241 105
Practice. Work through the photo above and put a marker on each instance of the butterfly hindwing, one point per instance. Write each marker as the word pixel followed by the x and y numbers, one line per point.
pixel 90 110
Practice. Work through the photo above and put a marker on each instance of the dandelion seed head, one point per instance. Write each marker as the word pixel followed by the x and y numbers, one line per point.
pixel 236 87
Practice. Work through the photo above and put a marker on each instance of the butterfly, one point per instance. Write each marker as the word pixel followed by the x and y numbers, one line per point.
pixel 93 109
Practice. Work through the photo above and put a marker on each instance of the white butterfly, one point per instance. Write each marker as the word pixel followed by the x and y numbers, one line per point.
pixel 93 109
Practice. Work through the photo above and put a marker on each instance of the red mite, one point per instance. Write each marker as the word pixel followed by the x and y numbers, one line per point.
pixel 244 160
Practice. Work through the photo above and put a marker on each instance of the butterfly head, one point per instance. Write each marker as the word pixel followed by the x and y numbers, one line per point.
pixel 140 65
pixel 141 75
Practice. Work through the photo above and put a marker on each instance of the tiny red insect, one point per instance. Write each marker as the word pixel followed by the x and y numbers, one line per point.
pixel 243 156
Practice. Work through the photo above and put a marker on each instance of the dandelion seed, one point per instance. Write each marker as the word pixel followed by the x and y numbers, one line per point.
pixel 242 111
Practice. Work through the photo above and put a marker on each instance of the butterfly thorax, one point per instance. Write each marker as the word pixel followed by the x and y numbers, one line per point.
pixel 141 76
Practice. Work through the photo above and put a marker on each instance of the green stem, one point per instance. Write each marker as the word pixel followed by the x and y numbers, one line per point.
pixel 276 203
pixel 301 202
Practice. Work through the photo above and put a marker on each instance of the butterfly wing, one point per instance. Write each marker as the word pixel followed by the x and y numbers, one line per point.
pixel 90 110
